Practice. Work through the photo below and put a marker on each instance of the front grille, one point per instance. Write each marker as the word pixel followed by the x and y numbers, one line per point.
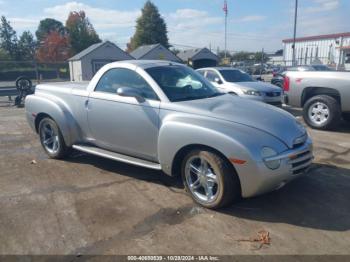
pixel 273 94
pixel 301 162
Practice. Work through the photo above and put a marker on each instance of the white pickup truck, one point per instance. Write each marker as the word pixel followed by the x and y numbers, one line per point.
pixel 324 96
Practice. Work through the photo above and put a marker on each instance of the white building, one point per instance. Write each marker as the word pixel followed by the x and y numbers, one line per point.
pixel 332 50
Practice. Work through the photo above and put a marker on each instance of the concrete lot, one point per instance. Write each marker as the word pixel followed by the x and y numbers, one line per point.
pixel 89 205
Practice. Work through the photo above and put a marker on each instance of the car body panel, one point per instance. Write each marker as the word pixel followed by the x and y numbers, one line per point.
pixel 158 130
pixel 337 81
pixel 239 88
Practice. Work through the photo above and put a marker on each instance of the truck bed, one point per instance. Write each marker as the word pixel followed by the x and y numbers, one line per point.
pixel 60 86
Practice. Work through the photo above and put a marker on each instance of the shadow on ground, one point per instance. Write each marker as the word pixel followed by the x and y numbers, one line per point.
pixel 123 169
pixel 319 200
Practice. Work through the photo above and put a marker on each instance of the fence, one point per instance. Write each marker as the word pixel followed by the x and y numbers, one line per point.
pixel 11 70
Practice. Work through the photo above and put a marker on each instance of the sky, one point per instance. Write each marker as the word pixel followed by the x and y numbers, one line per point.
pixel 252 24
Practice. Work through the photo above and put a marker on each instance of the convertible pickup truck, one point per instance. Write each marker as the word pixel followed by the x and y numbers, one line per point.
pixel 165 116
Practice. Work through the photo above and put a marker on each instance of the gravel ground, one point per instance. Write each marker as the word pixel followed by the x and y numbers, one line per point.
pixel 90 205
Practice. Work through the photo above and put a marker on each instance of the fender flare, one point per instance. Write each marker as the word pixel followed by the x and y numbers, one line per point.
pixel 56 109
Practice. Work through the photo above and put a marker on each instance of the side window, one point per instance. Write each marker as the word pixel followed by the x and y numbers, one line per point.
pixel 211 75
pixel 122 77
pixel 202 72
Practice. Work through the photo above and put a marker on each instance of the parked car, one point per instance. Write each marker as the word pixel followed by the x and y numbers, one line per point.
pixel 278 77
pixel 165 116
pixel 324 96
pixel 237 82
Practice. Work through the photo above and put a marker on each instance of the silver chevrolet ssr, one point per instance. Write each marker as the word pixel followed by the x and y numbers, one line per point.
pixel 165 116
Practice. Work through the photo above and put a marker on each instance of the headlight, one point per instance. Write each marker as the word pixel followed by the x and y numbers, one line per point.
pixel 268 152
pixel 252 93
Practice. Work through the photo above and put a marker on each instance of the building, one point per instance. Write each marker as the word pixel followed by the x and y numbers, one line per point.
pixel 154 52
pixel 199 58
pixel 84 65
pixel 332 49
pixel 276 58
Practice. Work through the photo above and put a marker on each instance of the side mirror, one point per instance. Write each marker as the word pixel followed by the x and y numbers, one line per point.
pixel 218 81
pixel 130 92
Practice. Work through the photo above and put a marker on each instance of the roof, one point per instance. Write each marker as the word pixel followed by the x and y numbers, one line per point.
pixel 145 63
pixel 90 49
pixel 191 53
pixel 187 54
pixel 143 50
pixel 219 68
pixel 317 37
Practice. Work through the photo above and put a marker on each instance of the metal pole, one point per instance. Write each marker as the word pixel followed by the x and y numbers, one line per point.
pixel 295 30
pixel 226 35
pixel 340 61
pixel 262 62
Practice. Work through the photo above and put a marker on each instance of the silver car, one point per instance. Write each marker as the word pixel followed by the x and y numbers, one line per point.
pixel 237 82
pixel 165 116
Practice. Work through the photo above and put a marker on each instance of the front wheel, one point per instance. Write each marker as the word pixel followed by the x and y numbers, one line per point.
pixel 322 112
pixel 52 140
pixel 210 180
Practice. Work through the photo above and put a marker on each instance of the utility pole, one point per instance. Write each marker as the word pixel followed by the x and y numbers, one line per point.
pixel 226 13
pixel 262 62
pixel 295 30
pixel 340 61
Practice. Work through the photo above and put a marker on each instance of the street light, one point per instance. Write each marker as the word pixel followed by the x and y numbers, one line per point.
pixel 295 30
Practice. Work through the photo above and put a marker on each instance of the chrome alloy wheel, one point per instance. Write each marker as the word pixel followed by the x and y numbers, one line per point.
pixel 319 113
pixel 201 179
pixel 49 138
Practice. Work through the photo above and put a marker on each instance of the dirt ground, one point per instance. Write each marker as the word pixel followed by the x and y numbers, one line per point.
pixel 90 205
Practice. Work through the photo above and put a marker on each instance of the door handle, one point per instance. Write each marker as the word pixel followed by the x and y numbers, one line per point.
pixel 87 104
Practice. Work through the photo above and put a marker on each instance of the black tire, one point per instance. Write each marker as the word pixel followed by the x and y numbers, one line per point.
pixel 346 117
pixel 24 84
pixel 62 149
pixel 334 116
pixel 229 188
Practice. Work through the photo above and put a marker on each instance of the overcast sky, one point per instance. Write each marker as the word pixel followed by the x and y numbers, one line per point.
pixel 252 24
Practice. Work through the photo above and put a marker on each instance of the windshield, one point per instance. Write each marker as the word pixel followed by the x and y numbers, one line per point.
pixel 181 83
pixel 235 76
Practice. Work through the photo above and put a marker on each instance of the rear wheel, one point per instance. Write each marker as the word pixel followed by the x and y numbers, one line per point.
pixel 52 140
pixel 322 112
pixel 210 180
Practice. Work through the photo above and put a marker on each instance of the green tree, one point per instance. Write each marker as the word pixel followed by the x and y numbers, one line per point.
pixel 261 57
pixel 221 55
pixel 26 46
pixel 8 38
pixel 4 55
pixel 47 26
pixel 81 32
pixel 150 28
pixel 242 56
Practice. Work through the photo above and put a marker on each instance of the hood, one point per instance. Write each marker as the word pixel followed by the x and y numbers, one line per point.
pixel 258 115
pixel 259 86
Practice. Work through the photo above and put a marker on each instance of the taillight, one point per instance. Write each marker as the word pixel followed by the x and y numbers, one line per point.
pixel 286 83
